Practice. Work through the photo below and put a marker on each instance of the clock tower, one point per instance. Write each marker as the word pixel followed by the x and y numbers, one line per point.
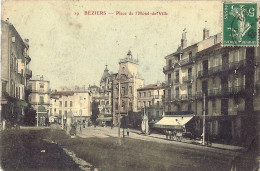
pixel 126 83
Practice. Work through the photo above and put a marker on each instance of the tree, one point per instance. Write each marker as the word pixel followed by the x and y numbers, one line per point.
pixel 95 111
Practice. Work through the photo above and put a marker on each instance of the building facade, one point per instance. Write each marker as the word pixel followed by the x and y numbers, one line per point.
pixel 180 74
pixel 105 97
pixel 227 77
pixel 15 73
pixel 125 86
pixel 40 98
pixel 150 101
pixel 75 102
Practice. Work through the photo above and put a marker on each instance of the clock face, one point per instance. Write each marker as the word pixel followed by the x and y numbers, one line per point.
pixel 123 68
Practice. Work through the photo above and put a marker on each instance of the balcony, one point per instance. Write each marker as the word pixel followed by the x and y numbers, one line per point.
pixel 167 68
pixel 221 68
pixel 236 89
pixel 28 73
pixel 217 92
pixel 186 61
pixel 184 97
pixel 187 79
pixel 214 92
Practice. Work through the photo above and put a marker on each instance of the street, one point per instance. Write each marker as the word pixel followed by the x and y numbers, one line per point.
pixel 184 156
pixel 99 146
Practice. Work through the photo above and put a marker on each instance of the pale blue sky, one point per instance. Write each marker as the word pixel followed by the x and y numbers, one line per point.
pixel 73 50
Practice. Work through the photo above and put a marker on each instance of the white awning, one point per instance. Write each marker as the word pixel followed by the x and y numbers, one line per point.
pixel 173 122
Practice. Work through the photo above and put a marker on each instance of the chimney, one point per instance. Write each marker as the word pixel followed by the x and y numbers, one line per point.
pixel 205 33
pixel 183 40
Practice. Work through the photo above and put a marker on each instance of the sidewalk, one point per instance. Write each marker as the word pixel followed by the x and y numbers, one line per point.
pixel 196 142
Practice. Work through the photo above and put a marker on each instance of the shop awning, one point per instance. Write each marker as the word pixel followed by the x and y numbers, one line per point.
pixel 104 119
pixel 173 122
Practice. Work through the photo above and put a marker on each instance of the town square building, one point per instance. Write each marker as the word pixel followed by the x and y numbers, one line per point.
pixel 15 73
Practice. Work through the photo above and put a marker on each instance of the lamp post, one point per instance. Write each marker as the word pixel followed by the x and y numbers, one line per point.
pixel 37 114
pixel 204 120
pixel 119 122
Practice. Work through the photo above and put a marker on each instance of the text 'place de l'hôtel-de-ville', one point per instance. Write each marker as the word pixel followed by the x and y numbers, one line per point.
pixel 224 80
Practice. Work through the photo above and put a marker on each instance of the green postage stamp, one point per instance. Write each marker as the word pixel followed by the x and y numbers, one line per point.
pixel 240 24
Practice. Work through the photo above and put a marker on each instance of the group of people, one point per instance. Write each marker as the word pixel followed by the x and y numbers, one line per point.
pixel 170 134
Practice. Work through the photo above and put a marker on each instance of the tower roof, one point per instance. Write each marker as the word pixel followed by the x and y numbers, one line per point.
pixel 105 74
pixel 129 58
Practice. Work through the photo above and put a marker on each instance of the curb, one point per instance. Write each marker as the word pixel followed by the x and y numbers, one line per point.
pixel 209 146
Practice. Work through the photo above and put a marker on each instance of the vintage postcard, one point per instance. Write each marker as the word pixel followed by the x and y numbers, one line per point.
pixel 130 85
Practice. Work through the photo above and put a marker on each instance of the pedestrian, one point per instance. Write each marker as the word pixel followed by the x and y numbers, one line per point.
pixel 166 133
pixel 128 132
pixel 80 130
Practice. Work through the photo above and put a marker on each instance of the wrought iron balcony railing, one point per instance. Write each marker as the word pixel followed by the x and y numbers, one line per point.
pixel 168 68
pixel 186 61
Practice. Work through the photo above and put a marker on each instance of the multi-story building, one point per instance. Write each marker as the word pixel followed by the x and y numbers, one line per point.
pixel 224 75
pixel 15 73
pixel 228 79
pixel 105 97
pixel 76 102
pixel 94 90
pixel 180 74
pixel 126 82
pixel 150 101
pixel 40 98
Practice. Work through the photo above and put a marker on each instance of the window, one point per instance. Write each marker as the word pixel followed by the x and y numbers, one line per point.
pixel 169 94
pixel 116 106
pixel 149 94
pixel 54 110
pixel 177 91
pixel 60 112
pixel 65 103
pixel 140 94
pixel 19 93
pixel 144 94
pixel 170 62
pixel 149 103
pixel 123 91
pixel 144 104
pixel 66 112
pixel 215 39
pixel 130 90
pixel 157 114
pixel 189 107
pixel 41 85
pixel 214 106
pixel 169 77
pixel 70 103
pixel 41 99
pixel 130 106
pixel 190 54
pixel 60 103
pixel 177 77
pixel 178 108
pixel 158 103
pixel 214 82
pixel 123 104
